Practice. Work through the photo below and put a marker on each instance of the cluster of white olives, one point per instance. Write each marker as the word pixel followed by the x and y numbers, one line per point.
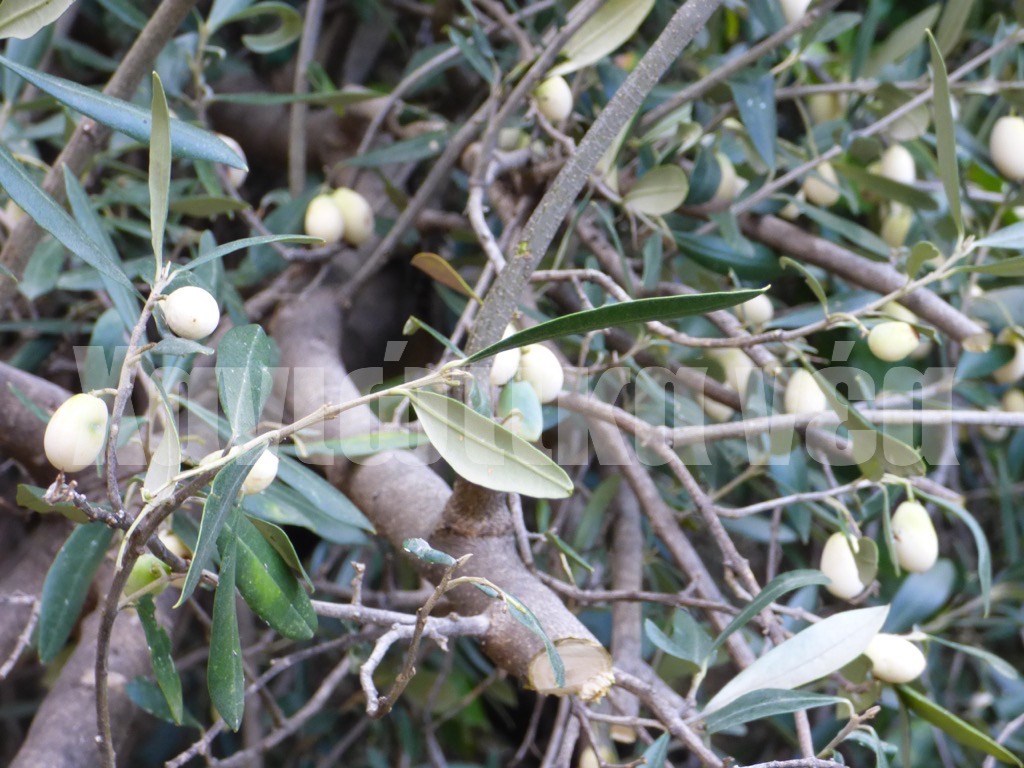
pixel 894 659
pixel 342 214
pixel 529 377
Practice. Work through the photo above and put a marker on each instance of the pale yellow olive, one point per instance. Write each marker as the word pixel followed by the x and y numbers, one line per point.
pixel 356 214
pixel 1004 145
pixel 839 564
pixel 728 182
pixel 803 394
pixel 1013 370
pixel 756 311
pixel 917 544
pixel 898 164
pixel 825 107
pixel 539 368
pixel 792 10
pixel 896 225
pixel 236 176
pixel 1013 401
pixel 75 433
pixel 553 98
pixel 893 340
pixel 191 312
pixel 505 364
pixel 324 219
pixel 821 187
pixel 736 365
pixel 894 659
pixel 715 410
pixel 262 474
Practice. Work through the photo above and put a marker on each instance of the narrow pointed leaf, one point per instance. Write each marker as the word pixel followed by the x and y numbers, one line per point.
pixel 486 453
pixel 219 504
pixel 224 676
pixel 248 242
pixel 773 590
pixel 67 584
pixel 124 117
pixel 769 702
pixel 159 170
pixel 23 18
pixel 243 376
pixel 160 655
pixel 266 582
pixel 15 180
pixel 957 729
pixel 817 651
pixel 639 311
pixel 945 135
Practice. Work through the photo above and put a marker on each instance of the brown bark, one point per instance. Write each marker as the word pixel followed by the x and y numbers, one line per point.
pixel 404 498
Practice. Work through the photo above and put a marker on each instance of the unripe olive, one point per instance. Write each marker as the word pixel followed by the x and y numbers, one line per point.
pixel 756 311
pixel 539 368
pixel 825 107
pixel 510 139
pixel 553 98
pixel 75 433
pixel 791 211
pixel 894 659
pixel 821 187
pixel 262 474
pixel 191 312
pixel 839 564
pixel 505 364
pixel 794 9
pixel 803 394
pixel 324 219
pixel 736 365
pixel 892 340
pixel 1004 145
pixel 1013 401
pixel 898 164
pixel 917 544
pixel 236 176
pixel 147 570
pixel 520 411
pixel 715 410
pixel 1013 370
pixel 728 186
pixel 896 226
pixel 356 214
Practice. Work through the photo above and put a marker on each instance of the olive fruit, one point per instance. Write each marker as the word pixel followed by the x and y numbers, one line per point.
pixel 894 659
pixel 356 214
pixel 191 312
pixel 839 564
pixel 148 569
pixel 1004 145
pixel 75 433
pixel 893 340
pixel 756 311
pixel 324 219
pixel 803 394
pixel 539 368
pixel 821 187
pixel 553 98
pixel 917 544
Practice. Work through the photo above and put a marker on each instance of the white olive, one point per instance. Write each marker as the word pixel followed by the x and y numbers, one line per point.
pixel 791 211
pixel 893 340
pixel 917 544
pixel 1013 370
pixel 324 219
pixel 505 364
pixel 191 312
pixel 1013 401
pixel 75 433
pixel 821 187
pixel 553 98
pixel 736 365
pixel 898 164
pixel 793 10
pixel 894 659
pixel 236 176
pixel 803 394
pixel 262 474
pixel 356 214
pixel 1004 145
pixel 715 410
pixel 839 564
pixel 825 107
pixel 539 367
pixel 896 225
pixel 756 311
pixel 728 186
